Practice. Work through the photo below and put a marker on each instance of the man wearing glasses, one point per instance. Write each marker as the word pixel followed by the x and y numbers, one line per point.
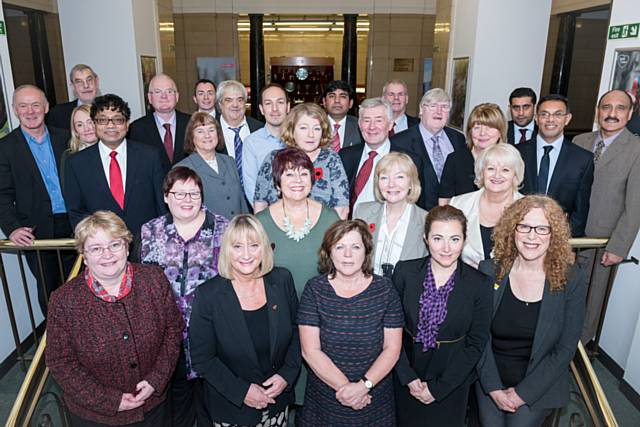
pixel 85 85
pixel 116 174
pixel 31 202
pixel 166 126
pixel 431 141
pixel 522 106
pixel 555 166
pixel 615 197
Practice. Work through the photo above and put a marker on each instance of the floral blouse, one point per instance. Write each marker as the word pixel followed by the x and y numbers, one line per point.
pixel 331 186
pixel 187 264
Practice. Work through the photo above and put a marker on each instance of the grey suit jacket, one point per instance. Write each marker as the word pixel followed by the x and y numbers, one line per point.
pixel 414 247
pixel 222 191
pixel 546 383
pixel 614 206
pixel 352 134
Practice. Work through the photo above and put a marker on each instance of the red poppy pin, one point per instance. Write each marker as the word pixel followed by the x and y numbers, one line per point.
pixel 318 173
pixel 372 227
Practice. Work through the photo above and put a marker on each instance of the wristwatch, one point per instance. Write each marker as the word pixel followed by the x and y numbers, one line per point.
pixel 367 383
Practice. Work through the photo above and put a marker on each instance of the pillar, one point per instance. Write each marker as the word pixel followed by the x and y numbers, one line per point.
pixel 40 54
pixel 563 55
pixel 256 62
pixel 349 50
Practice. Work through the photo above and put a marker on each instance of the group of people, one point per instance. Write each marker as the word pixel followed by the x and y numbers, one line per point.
pixel 393 265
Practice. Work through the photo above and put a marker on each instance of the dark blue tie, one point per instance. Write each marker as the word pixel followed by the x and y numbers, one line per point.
pixel 237 148
pixel 543 173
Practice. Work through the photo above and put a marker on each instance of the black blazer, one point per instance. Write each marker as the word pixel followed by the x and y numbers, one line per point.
pixel 570 183
pixel 24 200
pixel 350 157
pixel 352 134
pixel 145 130
pixel 468 316
pixel 546 384
pixel 86 187
pixel 253 124
pixel 511 138
pixel 410 140
pixel 222 351
pixel 59 115
pixel 412 121
pixel 458 174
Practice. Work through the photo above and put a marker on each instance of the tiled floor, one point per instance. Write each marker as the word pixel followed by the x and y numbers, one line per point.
pixel 626 414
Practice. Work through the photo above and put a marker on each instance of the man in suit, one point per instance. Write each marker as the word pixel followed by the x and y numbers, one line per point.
pixel 31 202
pixel 395 91
pixel 236 125
pixel 522 106
pixel 85 84
pixel 615 200
pixel 115 174
pixel 204 96
pixel 274 106
pixel 166 126
pixel 431 141
pixel 337 100
pixel 557 167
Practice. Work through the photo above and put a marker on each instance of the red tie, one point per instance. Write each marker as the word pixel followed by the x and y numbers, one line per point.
pixel 335 143
pixel 393 130
pixel 361 179
pixel 115 180
pixel 168 141
pixel 523 136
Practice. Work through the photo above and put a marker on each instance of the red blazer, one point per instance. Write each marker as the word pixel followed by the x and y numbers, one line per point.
pixel 97 351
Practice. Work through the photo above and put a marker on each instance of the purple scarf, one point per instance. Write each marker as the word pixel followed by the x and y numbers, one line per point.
pixel 433 309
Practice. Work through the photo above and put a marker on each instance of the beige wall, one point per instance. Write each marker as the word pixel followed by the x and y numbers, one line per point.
pixel 399 36
pixel 200 34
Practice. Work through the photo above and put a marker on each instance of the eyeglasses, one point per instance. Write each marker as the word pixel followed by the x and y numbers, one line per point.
pixel 180 195
pixel 103 121
pixel 435 106
pixel 89 81
pixel 541 230
pixel 113 247
pixel 547 115
pixel 158 92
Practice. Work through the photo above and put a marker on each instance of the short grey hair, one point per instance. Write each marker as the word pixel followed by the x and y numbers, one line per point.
pixel 159 76
pixel 435 95
pixel 395 82
pixel 28 86
pixel 228 85
pixel 81 67
pixel 375 102
pixel 503 154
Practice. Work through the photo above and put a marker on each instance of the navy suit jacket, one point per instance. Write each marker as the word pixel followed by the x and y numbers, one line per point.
pixel 410 141
pixel 412 120
pixel 59 115
pixel 570 183
pixel 511 137
pixel 145 130
pixel 86 188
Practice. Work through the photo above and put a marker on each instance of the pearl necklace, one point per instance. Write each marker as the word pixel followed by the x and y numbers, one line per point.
pixel 291 232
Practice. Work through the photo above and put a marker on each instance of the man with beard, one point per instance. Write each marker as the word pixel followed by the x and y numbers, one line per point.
pixel 522 105
pixel 338 100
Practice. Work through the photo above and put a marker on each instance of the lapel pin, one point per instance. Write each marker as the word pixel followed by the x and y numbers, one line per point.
pixel 275 307
pixel 496 286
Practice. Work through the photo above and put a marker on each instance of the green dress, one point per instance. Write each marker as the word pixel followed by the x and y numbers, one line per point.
pixel 300 258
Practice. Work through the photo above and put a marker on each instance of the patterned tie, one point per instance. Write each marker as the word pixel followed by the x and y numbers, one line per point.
pixel 335 142
pixel 393 130
pixel 543 173
pixel 438 157
pixel 115 179
pixel 168 141
pixel 237 148
pixel 523 136
pixel 599 149
pixel 361 180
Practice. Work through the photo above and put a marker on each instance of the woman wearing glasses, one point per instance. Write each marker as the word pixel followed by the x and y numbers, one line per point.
pixel 486 126
pixel 113 332
pixel 223 193
pixel 538 309
pixel 186 244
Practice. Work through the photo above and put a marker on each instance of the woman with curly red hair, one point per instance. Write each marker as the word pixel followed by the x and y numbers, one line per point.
pixel 538 310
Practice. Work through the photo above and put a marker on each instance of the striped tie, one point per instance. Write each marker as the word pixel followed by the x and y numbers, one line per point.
pixel 237 148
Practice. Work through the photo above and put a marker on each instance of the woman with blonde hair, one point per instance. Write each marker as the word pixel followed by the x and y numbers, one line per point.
pixel 307 128
pixel 499 172
pixel 538 310
pixel 243 333
pixel 394 219
pixel 83 133
pixel 486 126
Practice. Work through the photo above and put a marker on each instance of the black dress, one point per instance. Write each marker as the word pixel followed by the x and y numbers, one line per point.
pixel 458 175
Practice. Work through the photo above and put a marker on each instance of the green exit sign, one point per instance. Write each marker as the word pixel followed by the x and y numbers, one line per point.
pixel 627 31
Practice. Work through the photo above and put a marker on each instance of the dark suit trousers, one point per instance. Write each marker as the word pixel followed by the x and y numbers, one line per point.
pixel 186 398
pixel 491 416
pixel 52 279
pixel 596 292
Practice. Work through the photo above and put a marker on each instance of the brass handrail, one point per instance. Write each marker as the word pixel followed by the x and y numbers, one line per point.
pixel 40 244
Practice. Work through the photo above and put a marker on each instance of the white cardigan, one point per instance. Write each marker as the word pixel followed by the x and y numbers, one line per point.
pixel 469 204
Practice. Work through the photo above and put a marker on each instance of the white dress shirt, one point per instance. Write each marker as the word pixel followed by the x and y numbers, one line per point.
pixel 160 125
pixel 105 158
pixel 390 242
pixel 341 129
pixel 401 124
pixel 516 131
pixel 230 136
pixel 367 195
pixel 553 154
